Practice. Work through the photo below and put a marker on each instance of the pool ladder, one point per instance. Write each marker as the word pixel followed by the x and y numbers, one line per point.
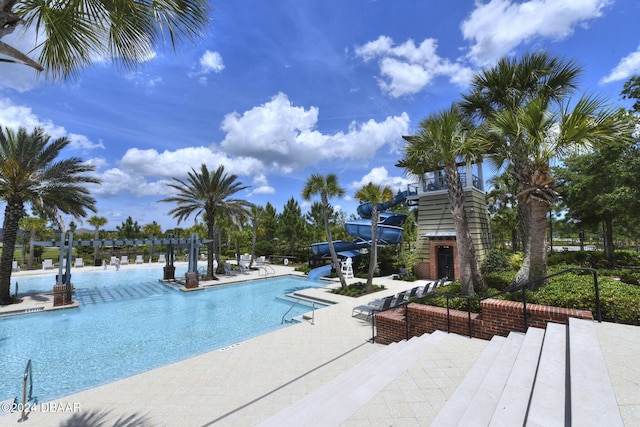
pixel 297 301
pixel 28 376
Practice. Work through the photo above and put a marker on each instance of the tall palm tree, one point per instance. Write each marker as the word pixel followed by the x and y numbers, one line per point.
pixel 30 174
pixel 508 87
pixel 545 134
pixel 96 222
pixel 444 139
pixel 77 33
pixel 326 187
pixel 208 194
pixel 376 195
pixel 254 216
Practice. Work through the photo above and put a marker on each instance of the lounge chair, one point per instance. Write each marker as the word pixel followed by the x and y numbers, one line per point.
pixel 139 259
pixel 124 260
pixel 162 259
pixel 15 266
pixel 47 264
pixel 228 271
pixel 79 262
pixel 113 260
pixel 373 307
pixel 244 268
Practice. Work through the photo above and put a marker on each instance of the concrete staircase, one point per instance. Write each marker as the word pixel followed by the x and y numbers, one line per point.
pixel 552 377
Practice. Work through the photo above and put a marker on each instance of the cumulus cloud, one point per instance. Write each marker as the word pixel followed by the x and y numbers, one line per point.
pixel 497 27
pixel 283 137
pixel 144 81
pixel 406 69
pixel 18 76
pixel 16 116
pixel 210 62
pixel 627 67
pixel 380 176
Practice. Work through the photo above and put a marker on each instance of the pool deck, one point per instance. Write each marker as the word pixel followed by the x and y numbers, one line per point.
pixel 246 383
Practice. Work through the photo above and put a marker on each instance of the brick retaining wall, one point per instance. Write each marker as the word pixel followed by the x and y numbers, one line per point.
pixel 498 318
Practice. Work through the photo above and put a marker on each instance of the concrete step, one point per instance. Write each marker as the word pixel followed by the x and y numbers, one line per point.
pixel 455 407
pixel 512 406
pixel 482 406
pixel 593 400
pixel 334 402
pixel 547 407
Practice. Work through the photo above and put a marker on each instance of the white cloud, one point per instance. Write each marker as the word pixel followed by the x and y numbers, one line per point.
pixel 497 27
pixel 380 176
pixel 627 67
pixel 15 116
pixel 143 80
pixel 406 69
pixel 283 137
pixel 211 62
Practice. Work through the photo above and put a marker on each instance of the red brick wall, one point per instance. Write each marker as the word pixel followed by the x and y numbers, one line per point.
pixel 498 318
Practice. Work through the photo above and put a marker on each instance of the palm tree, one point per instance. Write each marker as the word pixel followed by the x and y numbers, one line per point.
pixel 77 33
pixel 31 175
pixel 254 216
pixel 375 195
pixel 205 193
pixel 509 86
pixel 326 187
pixel 96 222
pixel 443 139
pixel 546 135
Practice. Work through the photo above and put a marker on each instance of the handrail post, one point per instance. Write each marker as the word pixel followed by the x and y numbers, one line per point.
pixel 448 317
pixel 373 327
pixel 469 316
pixel 406 322
pixel 597 290
pixel 524 309
pixel 27 375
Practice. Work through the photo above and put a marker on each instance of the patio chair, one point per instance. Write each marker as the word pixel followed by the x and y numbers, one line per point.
pixel 139 259
pixel 244 268
pixel 124 260
pixel 79 262
pixel 161 258
pixel 228 271
pixel 113 260
pixel 15 266
pixel 373 307
pixel 47 264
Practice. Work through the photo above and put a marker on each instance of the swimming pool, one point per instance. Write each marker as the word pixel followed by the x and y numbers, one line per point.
pixel 128 322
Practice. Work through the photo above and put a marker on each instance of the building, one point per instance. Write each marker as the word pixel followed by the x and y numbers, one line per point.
pixel 436 245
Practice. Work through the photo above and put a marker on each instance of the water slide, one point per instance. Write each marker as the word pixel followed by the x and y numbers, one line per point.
pixel 389 232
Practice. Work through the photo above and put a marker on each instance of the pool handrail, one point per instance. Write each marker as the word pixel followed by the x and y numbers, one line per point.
pixel 28 374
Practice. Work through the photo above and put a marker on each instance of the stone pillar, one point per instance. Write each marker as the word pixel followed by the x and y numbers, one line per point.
pixel 61 296
pixel 169 272
pixel 192 280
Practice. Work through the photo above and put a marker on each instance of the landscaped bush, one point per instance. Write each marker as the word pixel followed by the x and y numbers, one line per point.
pixel 356 289
pixel 516 260
pixel 627 258
pixel 496 260
pixel 499 280
pixel 630 277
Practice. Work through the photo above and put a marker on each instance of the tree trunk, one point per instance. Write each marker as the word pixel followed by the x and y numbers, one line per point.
pixel 31 249
pixel 534 265
pixel 253 242
pixel 373 256
pixel 12 214
pixel 211 250
pixel 471 280
pixel 96 236
pixel 332 250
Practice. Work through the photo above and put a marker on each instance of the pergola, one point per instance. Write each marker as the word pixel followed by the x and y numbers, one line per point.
pixel 66 243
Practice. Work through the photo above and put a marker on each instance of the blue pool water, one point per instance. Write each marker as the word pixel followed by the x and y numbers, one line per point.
pixel 128 322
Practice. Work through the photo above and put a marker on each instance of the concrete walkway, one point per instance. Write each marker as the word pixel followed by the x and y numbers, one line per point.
pixel 245 384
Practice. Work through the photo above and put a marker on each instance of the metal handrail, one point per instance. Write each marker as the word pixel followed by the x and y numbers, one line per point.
pixel 522 287
pixel 290 308
pixel 28 374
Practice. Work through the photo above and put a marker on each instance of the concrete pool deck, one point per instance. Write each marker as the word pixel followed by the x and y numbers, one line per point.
pixel 245 384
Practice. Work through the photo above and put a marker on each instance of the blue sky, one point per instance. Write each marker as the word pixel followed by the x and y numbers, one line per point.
pixel 281 89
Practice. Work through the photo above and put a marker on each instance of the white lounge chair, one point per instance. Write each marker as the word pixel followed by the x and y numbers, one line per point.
pixel 47 264
pixel 228 271
pixel 161 258
pixel 244 268
pixel 15 266
pixel 124 260
pixel 79 262
pixel 139 259
pixel 113 260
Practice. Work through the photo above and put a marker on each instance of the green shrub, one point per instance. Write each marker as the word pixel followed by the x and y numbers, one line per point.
pixel 630 277
pixel 356 289
pixel 627 258
pixel 499 280
pixel 516 260
pixel 496 260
